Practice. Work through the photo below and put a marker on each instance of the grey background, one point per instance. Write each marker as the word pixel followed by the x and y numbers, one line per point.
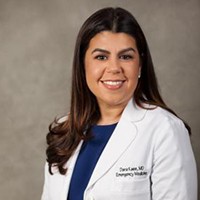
pixel 37 39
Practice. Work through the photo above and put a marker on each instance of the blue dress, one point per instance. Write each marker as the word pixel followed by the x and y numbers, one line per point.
pixel 87 159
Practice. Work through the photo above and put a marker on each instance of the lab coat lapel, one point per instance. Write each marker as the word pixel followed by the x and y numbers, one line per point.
pixel 67 177
pixel 122 137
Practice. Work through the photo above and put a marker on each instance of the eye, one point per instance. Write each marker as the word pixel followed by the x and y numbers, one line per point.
pixel 101 57
pixel 126 57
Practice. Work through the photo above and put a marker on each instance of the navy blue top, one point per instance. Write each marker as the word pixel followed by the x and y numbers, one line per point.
pixel 87 159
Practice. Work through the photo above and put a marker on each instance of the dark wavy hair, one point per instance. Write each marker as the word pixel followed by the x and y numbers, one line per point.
pixel 64 137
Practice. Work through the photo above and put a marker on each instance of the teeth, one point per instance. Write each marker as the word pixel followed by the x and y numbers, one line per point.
pixel 113 82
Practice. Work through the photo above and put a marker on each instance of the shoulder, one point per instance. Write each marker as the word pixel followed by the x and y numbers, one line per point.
pixel 162 116
pixel 147 113
pixel 166 126
pixel 161 124
pixel 154 120
pixel 152 117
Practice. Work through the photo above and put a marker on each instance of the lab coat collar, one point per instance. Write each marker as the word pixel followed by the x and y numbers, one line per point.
pixel 135 113
pixel 122 137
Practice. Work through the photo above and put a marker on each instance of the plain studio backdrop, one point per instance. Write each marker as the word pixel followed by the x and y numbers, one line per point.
pixel 37 40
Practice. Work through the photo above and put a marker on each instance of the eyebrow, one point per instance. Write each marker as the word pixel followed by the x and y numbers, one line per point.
pixel 108 52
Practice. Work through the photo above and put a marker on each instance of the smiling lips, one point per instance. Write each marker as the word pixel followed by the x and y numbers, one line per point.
pixel 111 84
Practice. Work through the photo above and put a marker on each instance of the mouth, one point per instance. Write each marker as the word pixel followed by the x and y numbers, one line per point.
pixel 113 84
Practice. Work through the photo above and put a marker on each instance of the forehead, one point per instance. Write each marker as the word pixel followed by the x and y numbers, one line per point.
pixel 110 40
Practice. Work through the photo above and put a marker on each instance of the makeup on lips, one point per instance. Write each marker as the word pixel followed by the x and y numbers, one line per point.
pixel 113 84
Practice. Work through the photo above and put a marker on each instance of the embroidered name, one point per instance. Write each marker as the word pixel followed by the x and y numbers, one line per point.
pixel 138 171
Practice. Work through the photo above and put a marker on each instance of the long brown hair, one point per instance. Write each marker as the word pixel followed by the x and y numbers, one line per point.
pixel 63 138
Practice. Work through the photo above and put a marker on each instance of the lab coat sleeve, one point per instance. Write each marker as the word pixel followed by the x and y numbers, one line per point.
pixel 174 175
pixel 45 186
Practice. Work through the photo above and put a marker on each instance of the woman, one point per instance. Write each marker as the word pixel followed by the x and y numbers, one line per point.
pixel 120 141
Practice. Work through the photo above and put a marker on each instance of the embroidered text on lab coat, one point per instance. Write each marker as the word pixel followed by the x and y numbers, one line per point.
pixel 138 171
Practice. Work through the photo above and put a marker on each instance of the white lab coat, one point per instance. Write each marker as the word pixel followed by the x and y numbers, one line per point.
pixel 148 157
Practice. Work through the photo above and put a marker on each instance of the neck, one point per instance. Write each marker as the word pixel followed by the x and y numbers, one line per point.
pixel 110 114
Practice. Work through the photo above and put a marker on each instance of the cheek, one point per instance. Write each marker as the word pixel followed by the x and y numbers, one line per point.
pixel 91 78
pixel 133 72
pixel 93 72
pixel 88 71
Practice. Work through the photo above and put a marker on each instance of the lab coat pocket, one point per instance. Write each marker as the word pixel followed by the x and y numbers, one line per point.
pixel 136 186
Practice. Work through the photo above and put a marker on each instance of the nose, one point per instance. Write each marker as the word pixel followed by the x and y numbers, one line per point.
pixel 114 66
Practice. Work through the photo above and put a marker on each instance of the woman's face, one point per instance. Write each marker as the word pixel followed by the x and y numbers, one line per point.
pixel 112 66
